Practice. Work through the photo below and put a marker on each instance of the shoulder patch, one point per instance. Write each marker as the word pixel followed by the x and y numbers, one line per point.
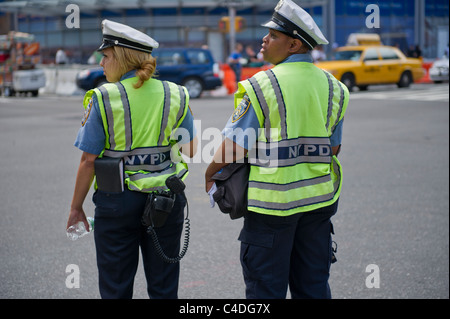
pixel 241 109
pixel 87 112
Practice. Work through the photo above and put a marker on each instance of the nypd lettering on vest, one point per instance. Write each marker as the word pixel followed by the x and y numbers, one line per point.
pixel 291 152
pixel 152 159
pixel 309 150
pixel 149 162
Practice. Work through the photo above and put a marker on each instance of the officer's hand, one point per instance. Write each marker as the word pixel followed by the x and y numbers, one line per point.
pixel 76 216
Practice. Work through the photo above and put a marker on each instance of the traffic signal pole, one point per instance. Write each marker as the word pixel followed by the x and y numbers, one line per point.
pixel 232 34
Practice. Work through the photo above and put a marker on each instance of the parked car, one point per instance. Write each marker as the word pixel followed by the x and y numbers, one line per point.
pixel 366 65
pixel 90 78
pixel 439 70
pixel 193 68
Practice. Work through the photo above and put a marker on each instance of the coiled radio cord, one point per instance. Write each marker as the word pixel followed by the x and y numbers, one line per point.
pixel 159 250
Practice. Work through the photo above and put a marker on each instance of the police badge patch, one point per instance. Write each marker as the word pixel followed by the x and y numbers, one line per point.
pixel 241 109
pixel 87 112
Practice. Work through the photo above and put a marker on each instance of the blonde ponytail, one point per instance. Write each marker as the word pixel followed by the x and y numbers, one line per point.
pixel 145 72
pixel 142 62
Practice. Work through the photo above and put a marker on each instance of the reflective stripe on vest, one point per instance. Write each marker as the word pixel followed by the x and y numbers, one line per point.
pixel 167 101
pixel 137 178
pixel 147 155
pixel 292 167
pixel 265 107
pixel 296 204
pixel 334 98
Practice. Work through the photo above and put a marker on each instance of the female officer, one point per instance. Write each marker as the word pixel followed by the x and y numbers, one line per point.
pixel 136 118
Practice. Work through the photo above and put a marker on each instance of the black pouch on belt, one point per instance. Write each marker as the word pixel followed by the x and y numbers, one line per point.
pixel 157 209
pixel 232 185
pixel 109 174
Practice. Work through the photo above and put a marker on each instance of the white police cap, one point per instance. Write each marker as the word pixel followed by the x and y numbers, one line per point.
pixel 118 34
pixel 289 18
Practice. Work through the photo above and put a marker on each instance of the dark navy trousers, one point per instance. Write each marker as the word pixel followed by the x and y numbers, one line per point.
pixel 281 252
pixel 119 234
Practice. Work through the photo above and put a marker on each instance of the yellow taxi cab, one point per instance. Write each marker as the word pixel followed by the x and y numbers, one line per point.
pixel 364 65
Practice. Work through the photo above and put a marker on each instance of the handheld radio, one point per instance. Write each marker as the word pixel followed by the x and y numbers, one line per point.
pixel 157 209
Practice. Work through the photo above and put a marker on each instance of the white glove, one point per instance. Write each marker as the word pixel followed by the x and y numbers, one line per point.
pixel 210 193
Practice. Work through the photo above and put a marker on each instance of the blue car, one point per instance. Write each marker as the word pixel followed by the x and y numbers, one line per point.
pixel 193 68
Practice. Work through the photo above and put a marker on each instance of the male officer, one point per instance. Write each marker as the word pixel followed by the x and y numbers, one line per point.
pixel 296 110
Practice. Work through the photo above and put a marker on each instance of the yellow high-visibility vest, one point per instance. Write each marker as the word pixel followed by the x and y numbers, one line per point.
pixel 292 167
pixel 138 124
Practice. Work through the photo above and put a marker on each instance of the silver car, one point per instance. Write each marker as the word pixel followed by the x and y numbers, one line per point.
pixel 439 70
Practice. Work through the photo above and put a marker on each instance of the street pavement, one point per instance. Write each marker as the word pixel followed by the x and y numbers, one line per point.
pixel 391 230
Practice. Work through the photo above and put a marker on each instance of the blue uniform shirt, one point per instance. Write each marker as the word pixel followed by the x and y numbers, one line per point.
pixel 235 129
pixel 91 136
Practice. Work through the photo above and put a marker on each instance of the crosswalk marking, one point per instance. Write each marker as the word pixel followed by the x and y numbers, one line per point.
pixel 429 93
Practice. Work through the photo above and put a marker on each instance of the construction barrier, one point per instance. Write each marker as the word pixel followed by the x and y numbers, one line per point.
pixel 61 79
pixel 426 78
pixel 229 77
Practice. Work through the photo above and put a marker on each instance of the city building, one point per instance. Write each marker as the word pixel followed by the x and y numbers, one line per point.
pixel 75 25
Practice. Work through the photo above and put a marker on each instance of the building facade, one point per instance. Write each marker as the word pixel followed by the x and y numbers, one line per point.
pixel 195 23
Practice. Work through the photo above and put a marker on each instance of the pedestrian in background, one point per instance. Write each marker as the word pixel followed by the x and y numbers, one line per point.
pixel 253 59
pixel 235 61
pixel 296 111
pixel 133 118
pixel 318 54
pixel 61 57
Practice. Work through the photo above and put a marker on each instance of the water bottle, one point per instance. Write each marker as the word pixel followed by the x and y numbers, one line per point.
pixel 76 231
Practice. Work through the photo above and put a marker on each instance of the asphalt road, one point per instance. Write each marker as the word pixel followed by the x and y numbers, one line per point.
pixel 392 227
